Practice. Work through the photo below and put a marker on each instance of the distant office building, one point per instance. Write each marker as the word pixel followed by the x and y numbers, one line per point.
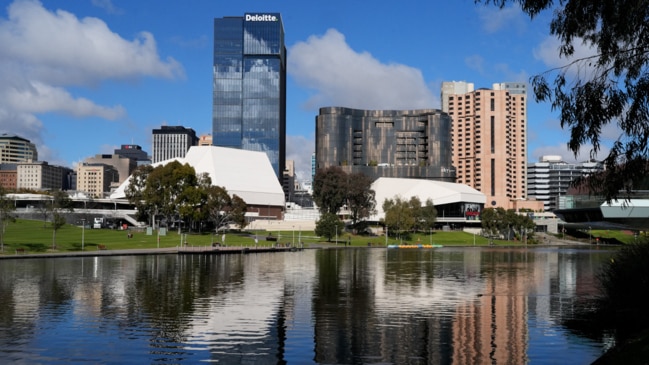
pixel 96 179
pixel 249 96
pixel 8 176
pixel 123 165
pixel 386 143
pixel 313 164
pixel 15 149
pixel 39 175
pixel 205 140
pixel 134 152
pixel 550 178
pixel 172 141
pixel 289 180
pixel 490 139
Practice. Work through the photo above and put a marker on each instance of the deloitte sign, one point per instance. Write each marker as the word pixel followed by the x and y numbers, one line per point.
pixel 261 18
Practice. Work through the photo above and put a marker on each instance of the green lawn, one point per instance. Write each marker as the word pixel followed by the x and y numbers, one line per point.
pixel 36 236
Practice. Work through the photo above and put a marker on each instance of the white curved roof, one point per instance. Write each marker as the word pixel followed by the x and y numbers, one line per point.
pixel 247 174
pixel 439 192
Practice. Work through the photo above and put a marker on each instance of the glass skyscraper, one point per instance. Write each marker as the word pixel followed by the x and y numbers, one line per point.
pixel 249 100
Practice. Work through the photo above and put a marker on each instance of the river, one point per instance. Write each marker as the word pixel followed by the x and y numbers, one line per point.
pixel 327 306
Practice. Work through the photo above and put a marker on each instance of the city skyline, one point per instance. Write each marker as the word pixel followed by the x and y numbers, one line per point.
pixel 85 77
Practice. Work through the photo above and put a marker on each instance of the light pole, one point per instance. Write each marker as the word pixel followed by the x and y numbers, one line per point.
pixel 83 231
pixel 590 235
pixel 293 239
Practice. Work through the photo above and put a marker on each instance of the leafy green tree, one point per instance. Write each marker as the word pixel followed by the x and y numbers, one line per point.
pixel 493 221
pixel 400 214
pixel 328 225
pixel 426 216
pixel 238 209
pixel 166 185
pixel 59 205
pixel 193 200
pixel 611 86
pixel 223 210
pixel 330 189
pixel 360 196
pixel 135 193
pixel 498 221
pixel 7 208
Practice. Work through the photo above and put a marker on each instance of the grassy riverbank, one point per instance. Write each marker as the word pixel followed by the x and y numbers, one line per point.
pixel 30 236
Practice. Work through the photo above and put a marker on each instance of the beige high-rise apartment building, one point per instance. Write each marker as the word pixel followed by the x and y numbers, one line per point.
pixel 489 139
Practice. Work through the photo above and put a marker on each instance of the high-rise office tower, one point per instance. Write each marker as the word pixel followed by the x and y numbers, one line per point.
pixel 489 138
pixel 172 141
pixel 16 149
pixel 550 178
pixel 249 100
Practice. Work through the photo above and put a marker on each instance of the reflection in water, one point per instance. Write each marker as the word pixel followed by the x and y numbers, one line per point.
pixel 336 306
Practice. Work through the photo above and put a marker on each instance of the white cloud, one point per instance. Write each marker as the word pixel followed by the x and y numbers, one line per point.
pixel 340 76
pixel 43 53
pixel 475 62
pixel 548 53
pixel 300 149
pixel 108 6
pixel 567 155
pixel 495 19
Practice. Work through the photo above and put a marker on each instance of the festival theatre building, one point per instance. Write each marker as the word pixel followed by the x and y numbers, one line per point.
pixel 249 96
pixel 386 143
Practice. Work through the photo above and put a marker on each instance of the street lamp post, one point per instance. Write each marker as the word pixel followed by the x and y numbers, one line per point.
pixel 83 231
pixel 590 235
pixel 293 239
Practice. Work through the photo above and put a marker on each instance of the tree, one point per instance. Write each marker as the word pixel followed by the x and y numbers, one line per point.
pixel 223 210
pixel 7 208
pixel 330 189
pixel 328 225
pixel 60 204
pixel 400 214
pixel 498 221
pixel 426 216
pixel 611 86
pixel 135 193
pixel 360 196
pixel 193 200
pixel 166 185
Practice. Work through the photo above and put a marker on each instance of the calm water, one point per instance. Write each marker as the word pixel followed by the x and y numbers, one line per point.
pixel 347 306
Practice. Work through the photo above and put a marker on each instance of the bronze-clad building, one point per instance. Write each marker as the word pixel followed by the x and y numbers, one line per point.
pixel 386 143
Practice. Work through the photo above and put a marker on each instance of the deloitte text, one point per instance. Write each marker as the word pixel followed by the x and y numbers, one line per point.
pixel 261 18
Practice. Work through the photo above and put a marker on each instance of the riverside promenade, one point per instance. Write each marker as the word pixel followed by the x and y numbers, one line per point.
pixel 153 251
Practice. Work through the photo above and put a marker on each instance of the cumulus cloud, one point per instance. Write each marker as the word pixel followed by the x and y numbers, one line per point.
pixel 548 53
pixel 43 53
pixel 300 149
pixel 495 19
pixel 108 6
pixel 341 76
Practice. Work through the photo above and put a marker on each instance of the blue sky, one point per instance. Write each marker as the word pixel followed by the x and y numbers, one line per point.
pixel 80 78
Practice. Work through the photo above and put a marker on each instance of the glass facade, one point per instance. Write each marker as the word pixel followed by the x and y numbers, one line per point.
pixel 249 101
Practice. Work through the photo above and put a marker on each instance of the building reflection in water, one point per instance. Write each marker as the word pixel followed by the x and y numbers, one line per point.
pixel 442 306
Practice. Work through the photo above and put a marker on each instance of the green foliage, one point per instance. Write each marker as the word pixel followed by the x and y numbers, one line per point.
pixel 360 197
pixel 328 225
pixel 624 284
pixel 498 221
pixel 329 189
pixel 333 188
pixel 6 215
pixel 609 86
pixel 400 214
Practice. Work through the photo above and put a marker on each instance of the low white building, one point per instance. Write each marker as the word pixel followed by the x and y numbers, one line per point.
pixel 248 174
